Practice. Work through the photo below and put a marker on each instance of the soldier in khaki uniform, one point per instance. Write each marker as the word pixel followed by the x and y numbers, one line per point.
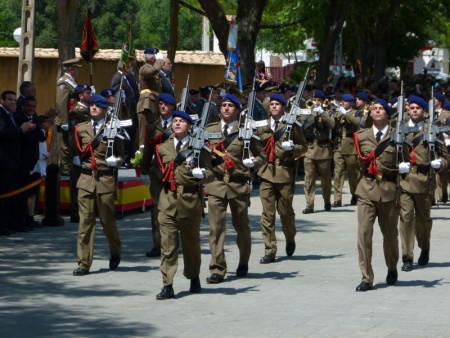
pixel 230 187
pixel 362 106
pixel 344 152
pixel 78 114
pixel 157 132
pixel 150 87
pixel 318 155
pixel 180 204
pixel 65 87
pixel 377 192
pixel 418 187
pixel 277 178
pixel 443 119
pixel 96 187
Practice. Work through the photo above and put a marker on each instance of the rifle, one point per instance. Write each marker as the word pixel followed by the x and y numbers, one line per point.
pixel 398 137
pixel 199 134
pixel 247 124
pixel 431 135
pixel 295 111
pixel 184 96
pixel 115 127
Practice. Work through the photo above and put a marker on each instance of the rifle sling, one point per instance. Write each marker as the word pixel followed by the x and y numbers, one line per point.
pixel 166 134
pixel 181 157
pixel 96 141
pixel 279 133
pixel 416 140
pixel 230 138
pixel 381 147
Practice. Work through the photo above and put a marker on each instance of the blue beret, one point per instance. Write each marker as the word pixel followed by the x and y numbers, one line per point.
pixel 82 87
pixel 348 97
pixel 384 104
pixel 206 90
pixel 284 87
pixel 108 92
pixel 363 96
pixel 439 96
pixel 447 105
pixel 320 95
pixel 183 115
pixel 167 98
pixel 151 51
pixel 99 101
pixel 279 98
pixel 193 92
pixel 419 101
pixel 233 99
pixel 394 101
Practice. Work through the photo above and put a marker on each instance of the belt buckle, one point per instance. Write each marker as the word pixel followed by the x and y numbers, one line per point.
pixel 379 177
pixel 277 162
pixel 180 189
pixel 344 133
pixel 226 178
pixel 413 169
pixel 94 173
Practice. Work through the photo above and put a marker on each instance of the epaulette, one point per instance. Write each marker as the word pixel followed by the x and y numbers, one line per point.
pixel 70 83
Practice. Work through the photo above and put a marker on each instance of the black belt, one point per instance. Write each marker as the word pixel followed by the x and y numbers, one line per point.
pixel 183 189
pixel 103 172
pixel 318 141
pixel 234 179
pixel 382 177
pixel 420 169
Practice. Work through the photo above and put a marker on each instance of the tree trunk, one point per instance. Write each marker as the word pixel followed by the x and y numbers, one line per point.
pixel 380 60
pixel 334 21
pixel 67 13
pixel 248 17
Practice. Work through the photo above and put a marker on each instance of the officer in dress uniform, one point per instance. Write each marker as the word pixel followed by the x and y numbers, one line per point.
pixel 157 132
pixel 318 155
pixel 277 178
pixel 377 192
pixel 180 204
pixel 97 187
pixel 230 187
pixel 78 114
pixel 65 88
pixel 150 87
pixel 418 187
pixel 344 152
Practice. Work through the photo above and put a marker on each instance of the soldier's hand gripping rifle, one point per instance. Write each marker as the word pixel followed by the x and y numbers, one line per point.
pixel 295 111
pixel 247 125
pixel 199 134
pixel 115 126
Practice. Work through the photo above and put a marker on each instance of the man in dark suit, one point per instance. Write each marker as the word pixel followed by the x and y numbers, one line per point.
pixel 131 90
pixel 10 136
pixel 27 88
pixel 29 154
pixel 166 81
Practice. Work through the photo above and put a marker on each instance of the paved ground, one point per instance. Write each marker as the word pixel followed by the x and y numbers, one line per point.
pixel 308 295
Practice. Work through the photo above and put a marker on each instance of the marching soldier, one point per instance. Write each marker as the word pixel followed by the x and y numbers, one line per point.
pixel 157 132
pixel 418 187
pixel 230 187
pixel 344 152
pixel 180 204
pixel 65 87
pixel 277 178
pixel 318 155
pixel 376 193
pixel 96 187
pixel 443 119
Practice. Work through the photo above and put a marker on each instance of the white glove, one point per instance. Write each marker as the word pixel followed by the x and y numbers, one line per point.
pixel 198 173
pixel 65 127
pixel 93 90
pixel 145 180
pixel 342 110
pixel 318 110
pixel 112 161
pixel 404 167
pixel 76 161
pixel 159 56
pixel 436 164
pixel 287 145
pixel 249 162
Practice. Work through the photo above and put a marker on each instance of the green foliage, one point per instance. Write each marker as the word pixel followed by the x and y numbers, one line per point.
pixel 9 21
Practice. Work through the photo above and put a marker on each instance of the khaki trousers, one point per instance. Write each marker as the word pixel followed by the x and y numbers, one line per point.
pixel 311 167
